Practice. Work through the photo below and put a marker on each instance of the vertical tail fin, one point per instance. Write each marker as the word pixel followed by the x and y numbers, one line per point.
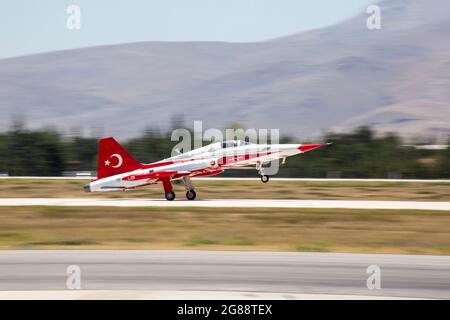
pixel 114 159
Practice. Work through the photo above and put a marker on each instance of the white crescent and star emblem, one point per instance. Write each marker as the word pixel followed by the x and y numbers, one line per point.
pixel 119 160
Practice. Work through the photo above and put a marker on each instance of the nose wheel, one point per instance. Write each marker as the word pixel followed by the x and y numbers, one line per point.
pixel 264 178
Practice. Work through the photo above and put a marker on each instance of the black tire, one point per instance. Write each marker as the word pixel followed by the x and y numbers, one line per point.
pixel 264 178
pixel 191 194
pixel 170 195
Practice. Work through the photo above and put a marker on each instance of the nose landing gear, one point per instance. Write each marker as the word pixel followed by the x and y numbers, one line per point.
pixel 264 178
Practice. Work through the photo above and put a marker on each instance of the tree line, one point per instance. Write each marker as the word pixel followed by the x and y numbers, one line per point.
pixel 359 154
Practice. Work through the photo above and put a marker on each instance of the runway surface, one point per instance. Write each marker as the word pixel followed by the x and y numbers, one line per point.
pixel 229 203
pixel 177 295
pixel 283 274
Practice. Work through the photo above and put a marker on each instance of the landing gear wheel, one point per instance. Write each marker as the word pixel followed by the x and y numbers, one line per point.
pixel 264 178
pixel 191 194
pixel 170 195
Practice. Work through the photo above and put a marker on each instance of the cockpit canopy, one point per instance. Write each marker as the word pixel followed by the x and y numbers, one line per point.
pixel 211 148
pixel 234 143
pixel 224 145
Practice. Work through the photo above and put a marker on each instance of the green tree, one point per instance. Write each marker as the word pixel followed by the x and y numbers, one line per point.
pixel 35 153
pixel 444 163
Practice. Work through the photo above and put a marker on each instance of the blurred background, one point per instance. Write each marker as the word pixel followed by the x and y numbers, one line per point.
pixel 313 70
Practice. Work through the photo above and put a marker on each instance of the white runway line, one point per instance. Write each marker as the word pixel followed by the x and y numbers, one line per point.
pixel 229 203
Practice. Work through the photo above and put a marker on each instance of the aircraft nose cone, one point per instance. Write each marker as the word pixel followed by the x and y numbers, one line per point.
pixel 308 147
pixel 87 188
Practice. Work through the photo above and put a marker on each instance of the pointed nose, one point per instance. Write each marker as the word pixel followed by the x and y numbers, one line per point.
pixel 308 147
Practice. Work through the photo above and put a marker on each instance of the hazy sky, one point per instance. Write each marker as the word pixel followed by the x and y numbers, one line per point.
pixel 32 26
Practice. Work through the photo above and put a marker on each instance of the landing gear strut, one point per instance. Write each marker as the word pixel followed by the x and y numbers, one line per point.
pixel 260 169
pixel 190 192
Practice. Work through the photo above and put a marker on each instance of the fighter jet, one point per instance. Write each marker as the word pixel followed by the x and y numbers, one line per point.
pixel 118 170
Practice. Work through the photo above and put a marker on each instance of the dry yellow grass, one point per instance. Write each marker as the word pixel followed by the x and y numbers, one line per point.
pixel 375 231
pixel 13 188
pixel 382 231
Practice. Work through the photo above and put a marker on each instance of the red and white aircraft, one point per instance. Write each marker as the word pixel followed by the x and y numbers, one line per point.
pixel 118 170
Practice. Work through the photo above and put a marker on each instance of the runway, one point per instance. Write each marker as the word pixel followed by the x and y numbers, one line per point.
pixel 229 203
pixel 255 274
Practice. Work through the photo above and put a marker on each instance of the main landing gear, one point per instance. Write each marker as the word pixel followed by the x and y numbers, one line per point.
pixel 170 195
pixel 190 192
pixel 168 189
